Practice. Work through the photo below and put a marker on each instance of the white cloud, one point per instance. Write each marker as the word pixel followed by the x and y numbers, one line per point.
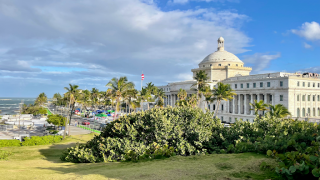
pixel 307 46
pixel 315 69
pixel 186 1
pixel 260 61
pixel 310 31
pixel 111 38
pixel 185 76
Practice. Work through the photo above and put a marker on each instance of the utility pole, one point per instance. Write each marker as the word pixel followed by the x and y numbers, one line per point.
pixel 142 78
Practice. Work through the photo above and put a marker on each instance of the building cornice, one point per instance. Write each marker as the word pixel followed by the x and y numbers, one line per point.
pixel 222 68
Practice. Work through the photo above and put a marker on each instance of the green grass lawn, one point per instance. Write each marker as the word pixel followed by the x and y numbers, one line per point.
pixel 43 162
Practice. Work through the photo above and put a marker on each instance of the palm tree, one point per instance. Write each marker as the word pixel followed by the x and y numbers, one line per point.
pixel 57 99
pixel 152 90
pixel 41 99
pixel 72 94
pixel 258 106
pixel 222 92
pixel 130 96
pixel 207 95
pixel 111 96
pixel 85 100
pixel 278 111
pixel 160 94
pixel 192 100
pixel 201 78
pixel 135 104
pixel 145 95
pixel 182 94
pixel 119 86
pixel 94 98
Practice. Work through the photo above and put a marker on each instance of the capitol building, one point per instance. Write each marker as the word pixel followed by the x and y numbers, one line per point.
pixel 300 93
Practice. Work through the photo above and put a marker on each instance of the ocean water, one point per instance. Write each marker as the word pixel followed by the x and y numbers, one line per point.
pixel 11 105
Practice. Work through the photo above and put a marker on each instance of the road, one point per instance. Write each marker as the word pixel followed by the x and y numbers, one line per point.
pixel 93 124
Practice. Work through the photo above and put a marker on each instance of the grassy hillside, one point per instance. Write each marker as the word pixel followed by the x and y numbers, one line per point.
pixel 43 162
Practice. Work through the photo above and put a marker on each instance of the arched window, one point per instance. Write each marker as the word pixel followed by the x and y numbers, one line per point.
pixel 303 112
pixel 214 107
pixel 222 107
pixel 309 112
pixel 298 112
pixel 209 106
pixel 318 111
pixel 314 112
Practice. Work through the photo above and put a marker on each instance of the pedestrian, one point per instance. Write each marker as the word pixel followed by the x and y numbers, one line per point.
pixel 76 123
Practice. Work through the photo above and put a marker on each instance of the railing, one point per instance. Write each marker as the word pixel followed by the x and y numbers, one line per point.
pixel 89 129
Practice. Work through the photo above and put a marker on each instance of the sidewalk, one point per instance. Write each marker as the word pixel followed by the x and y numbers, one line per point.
pixel 77 131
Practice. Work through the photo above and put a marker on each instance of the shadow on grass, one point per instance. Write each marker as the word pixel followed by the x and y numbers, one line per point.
pixel 54 152
pixel 219 167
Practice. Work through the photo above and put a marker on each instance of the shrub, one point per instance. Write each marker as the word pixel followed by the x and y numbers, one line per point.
pixel 79 154
pixel 183 129
pixel 53 131
pixel 187 131
pixel 40 140
pixel 9 143
pixel 4 155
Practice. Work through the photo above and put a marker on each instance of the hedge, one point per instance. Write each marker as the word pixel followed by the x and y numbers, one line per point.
pixel 41 140
pixel 9 143
pixel 34 140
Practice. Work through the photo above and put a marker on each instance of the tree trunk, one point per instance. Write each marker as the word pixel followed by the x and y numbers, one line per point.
pixel 70 118
pixel 126 107
pixel 141 106
pixel 216 113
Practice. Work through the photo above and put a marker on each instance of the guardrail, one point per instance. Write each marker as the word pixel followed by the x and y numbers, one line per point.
pixel 90 129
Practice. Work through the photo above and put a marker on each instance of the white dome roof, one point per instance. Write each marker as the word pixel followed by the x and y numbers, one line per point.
pixel 221 56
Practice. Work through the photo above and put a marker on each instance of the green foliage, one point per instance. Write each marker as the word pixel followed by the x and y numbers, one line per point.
pixel 79 154
pixel 40 140
pixel 190 131
pixel 4 155
pixel 184 130
pixel 41 99
pixel 57 120
pixel 33 109
pixel 9 143
pixel 53 131
pixel 34 140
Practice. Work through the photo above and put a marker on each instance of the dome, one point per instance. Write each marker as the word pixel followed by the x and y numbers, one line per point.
pixel 221 56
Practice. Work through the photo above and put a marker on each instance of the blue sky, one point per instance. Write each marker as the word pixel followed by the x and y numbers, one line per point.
pixel 45 45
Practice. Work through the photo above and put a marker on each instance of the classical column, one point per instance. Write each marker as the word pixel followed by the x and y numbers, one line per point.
pixel 174 100
pixel 233 102
pixel 245 104
pixel 265 98
pixel 239 104
pixel 251 100
pixel 227 106
pixel 273 95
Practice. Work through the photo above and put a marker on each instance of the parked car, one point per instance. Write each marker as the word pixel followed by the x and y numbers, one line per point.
pixel 85 123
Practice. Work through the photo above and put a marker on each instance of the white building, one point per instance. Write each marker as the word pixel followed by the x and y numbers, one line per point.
pixel 300 93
